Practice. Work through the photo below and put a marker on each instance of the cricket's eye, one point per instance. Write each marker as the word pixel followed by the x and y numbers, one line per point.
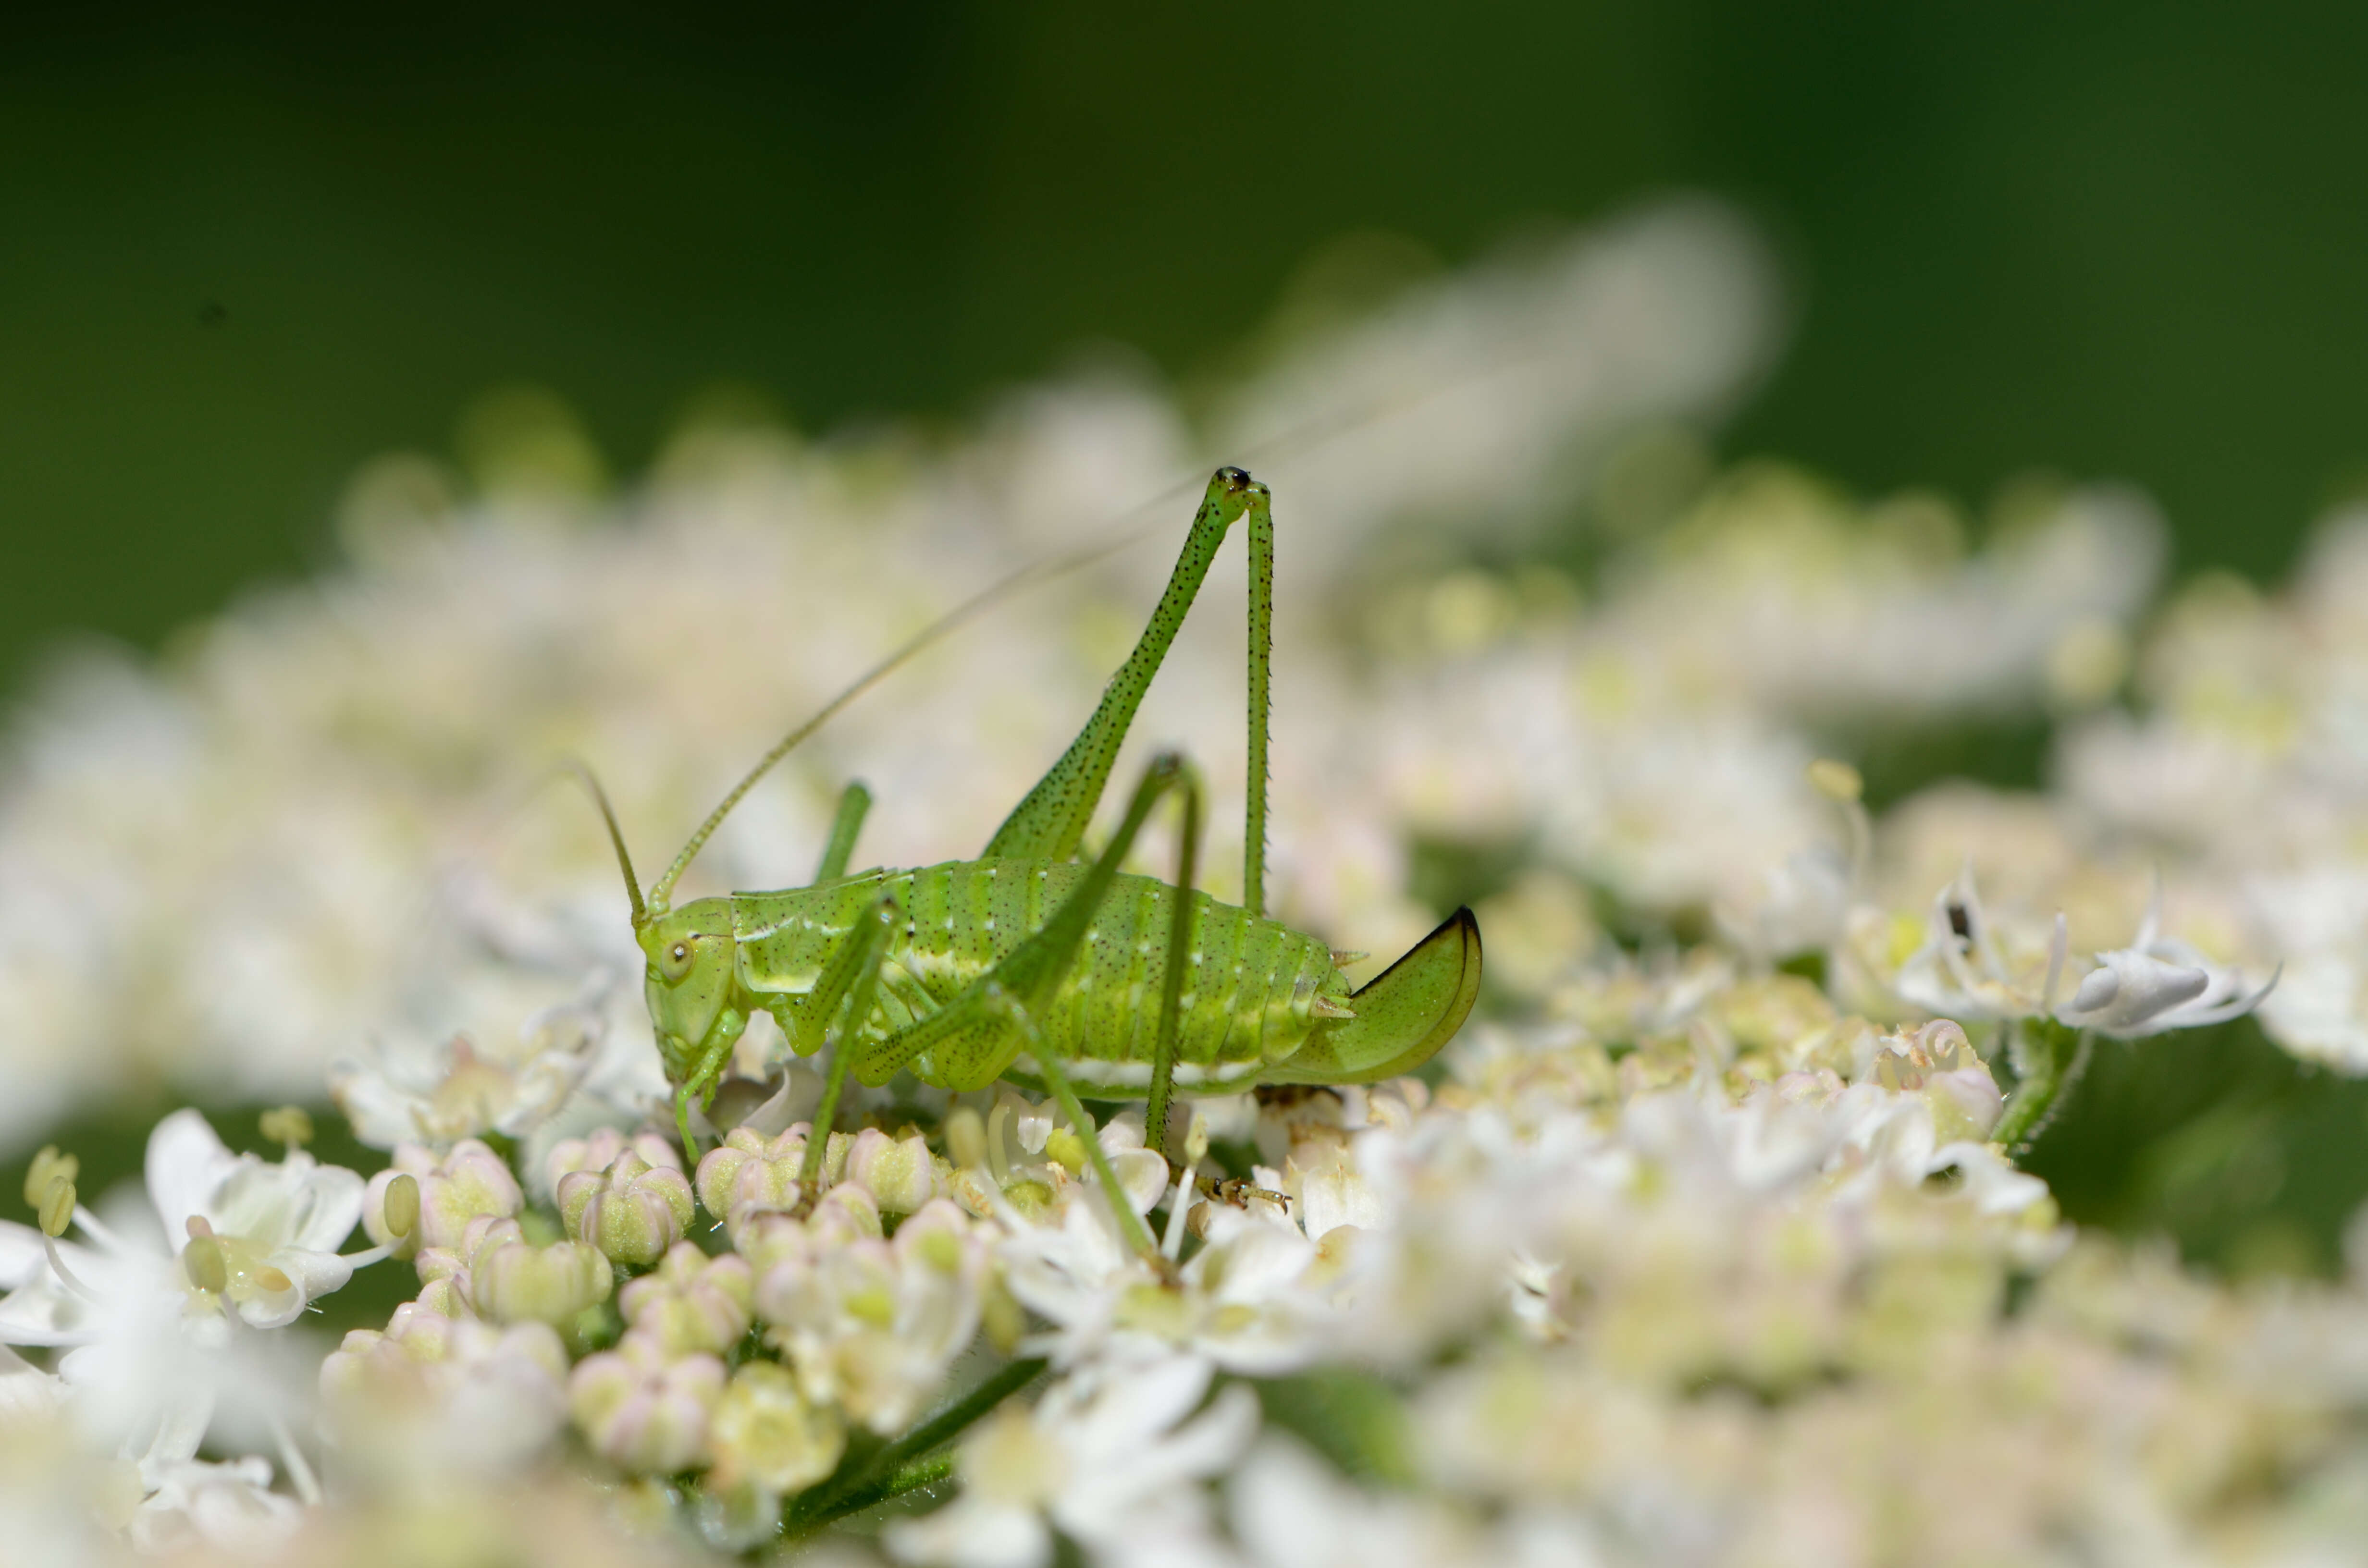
pixel 674 960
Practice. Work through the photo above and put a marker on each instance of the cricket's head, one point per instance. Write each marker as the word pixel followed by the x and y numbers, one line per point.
pixel 690 961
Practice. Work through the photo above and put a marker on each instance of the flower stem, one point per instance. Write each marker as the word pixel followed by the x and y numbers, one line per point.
pixel 925 1471
pixel 2055 1054
pixel 879 1479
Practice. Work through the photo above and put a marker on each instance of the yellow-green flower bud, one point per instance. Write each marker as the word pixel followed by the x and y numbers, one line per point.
pixel 646 1410
pixel 745 1175
pixel 848 1212
pixel 512 1281
pixel 748 1173
pixel 468 1183
pixel 445 1297
pixel 598 1150
pixel 764 1434
pixel 690 1301
pixel 898 1173
pixel 632 1212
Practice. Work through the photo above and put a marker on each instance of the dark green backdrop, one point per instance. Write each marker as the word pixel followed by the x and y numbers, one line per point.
pixel 238 255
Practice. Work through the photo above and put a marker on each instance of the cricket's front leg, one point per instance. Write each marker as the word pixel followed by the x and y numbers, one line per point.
pixel 841 1003
pixel 706 1075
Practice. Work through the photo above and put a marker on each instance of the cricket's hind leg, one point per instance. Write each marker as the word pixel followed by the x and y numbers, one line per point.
pixel 969 1043
pixel 1132 1230
pixel 1050 823
pixel 1180 961
pixel 973 1038
pixel 698 1086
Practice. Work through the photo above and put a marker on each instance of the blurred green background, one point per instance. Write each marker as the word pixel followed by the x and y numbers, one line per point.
pixel 238 255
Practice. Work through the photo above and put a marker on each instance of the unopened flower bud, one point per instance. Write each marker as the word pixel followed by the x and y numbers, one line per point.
pixel 632 1212
pixel 764 1432
pixel 690 1301
pixel 598 1150
pixel 749 1173
pixel 512 1281
pixel 484 1231
pixel 644 1410
pixel 468 1183
pixel 446 1296
pixel 49 1165
pixel 898 1173
pixel 939 1236
pixel 848 1212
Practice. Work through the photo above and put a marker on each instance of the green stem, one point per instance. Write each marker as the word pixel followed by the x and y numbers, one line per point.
pixel 827 1503
pixel 921 1473
pixel 2057 1055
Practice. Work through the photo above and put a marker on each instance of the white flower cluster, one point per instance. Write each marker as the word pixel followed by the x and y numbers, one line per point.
pixel 2245 773
pixel 1719 1275
pixel 1703 1244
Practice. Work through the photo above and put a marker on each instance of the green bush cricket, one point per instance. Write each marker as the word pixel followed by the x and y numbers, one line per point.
pixel 1030 962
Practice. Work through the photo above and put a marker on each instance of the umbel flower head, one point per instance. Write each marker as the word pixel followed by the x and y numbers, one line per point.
pixel 1705 1243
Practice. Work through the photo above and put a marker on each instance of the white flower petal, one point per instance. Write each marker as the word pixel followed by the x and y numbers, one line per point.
pixel 971 1532
pixel 186 1163
pixel 22 1257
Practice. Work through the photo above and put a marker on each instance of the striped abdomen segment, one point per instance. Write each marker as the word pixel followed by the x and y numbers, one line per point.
pixel 1250 993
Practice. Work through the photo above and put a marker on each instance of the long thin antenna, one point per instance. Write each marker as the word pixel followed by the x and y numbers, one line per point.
pixel 1303 437
pixel 616 835
pixel 978 604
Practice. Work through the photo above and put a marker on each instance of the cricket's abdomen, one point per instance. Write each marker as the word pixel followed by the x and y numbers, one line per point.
pixel 1250 993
